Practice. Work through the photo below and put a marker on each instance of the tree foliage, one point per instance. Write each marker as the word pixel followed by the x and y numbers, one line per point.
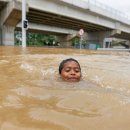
pixel 36 39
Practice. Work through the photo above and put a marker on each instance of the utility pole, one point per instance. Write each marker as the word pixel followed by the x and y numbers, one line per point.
pixel 81 32
pixel 24 23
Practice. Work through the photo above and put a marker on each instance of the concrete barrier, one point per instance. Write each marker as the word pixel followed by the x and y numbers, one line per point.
pixel 113 49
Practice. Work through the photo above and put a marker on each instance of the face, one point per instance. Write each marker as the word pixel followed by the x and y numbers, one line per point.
pixel 71 72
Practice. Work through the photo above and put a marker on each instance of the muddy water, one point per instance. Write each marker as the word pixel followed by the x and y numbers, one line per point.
pixel 33 97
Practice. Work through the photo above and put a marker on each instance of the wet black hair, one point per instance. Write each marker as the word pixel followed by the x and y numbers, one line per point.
pixel 61 66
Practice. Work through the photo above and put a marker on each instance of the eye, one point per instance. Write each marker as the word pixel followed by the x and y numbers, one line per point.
pixel 67 69
pixel 77 70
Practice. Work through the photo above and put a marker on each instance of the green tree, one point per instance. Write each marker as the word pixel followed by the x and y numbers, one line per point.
pixel 36 39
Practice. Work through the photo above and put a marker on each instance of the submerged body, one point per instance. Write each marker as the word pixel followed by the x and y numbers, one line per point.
pixel 33 97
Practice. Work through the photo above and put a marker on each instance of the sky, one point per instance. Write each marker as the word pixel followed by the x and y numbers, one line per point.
pixel 121 5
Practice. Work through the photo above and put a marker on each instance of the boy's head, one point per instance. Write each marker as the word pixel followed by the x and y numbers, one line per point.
pixel 70 70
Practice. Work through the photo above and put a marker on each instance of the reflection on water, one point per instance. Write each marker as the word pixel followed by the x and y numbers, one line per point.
pixel 33 97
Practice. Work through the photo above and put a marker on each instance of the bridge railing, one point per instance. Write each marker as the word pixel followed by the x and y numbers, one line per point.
pixel 101 8
pixel 108 8
pixel 79 3
pixel 112 11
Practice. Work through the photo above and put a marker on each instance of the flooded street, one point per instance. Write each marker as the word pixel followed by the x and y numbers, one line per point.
pixel 33 97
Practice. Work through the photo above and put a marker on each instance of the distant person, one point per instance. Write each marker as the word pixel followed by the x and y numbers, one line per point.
pixel 70 70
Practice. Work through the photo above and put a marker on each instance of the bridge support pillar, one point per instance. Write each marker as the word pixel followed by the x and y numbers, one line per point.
pixel 63 41
pixel 128 42
pixel 9 18
pixel 0 36
pixel 7 35
pixel 98 37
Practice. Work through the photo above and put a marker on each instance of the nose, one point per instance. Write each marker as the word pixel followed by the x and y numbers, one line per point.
pixel 72 72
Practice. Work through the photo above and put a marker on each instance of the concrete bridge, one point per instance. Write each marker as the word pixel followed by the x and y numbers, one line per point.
pixel 64 18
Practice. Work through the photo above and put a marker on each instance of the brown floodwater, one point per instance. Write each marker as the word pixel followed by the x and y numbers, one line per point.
pixel 33 96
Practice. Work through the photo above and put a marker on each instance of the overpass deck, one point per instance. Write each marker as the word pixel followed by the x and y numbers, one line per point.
pixel 69 15
pixel 40 17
